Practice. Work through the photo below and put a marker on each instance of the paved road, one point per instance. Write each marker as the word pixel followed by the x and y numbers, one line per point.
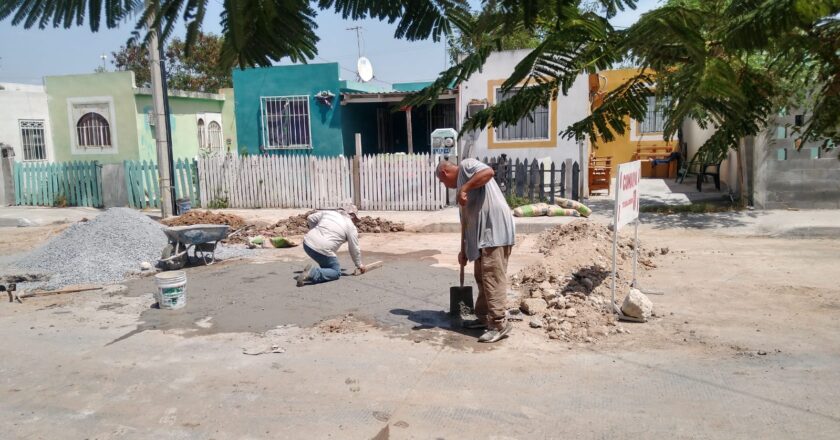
pixel 107 366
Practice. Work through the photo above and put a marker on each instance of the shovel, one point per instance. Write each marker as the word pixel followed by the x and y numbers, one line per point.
pixel 459 296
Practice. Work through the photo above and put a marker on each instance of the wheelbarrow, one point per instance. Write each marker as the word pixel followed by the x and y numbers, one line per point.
pixel 201 239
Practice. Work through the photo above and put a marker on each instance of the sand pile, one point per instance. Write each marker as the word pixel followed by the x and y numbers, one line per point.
pixel 197 217
pixel 568 292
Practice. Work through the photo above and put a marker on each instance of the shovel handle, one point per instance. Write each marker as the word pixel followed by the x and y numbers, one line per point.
pixel 463 229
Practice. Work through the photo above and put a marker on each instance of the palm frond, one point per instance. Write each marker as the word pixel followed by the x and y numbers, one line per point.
pixel 416 20
pixel 68 13
pixel 513 109
pixel 608 119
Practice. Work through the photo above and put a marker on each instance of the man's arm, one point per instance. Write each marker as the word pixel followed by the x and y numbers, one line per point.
pixel 313 219
pixel 353 244
pixel 478 180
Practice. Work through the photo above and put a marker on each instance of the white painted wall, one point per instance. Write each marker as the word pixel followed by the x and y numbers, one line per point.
pixel 23 101
pixel 570 109
pixel 694 136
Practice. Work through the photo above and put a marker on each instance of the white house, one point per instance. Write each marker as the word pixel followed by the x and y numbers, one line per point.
pixel 531 138
pixel 25 121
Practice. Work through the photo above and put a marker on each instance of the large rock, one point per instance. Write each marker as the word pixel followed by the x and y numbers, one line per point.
pixel 533 306
pixel 637 305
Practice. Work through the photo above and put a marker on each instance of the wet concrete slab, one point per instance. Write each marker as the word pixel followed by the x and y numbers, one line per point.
pixel 405 295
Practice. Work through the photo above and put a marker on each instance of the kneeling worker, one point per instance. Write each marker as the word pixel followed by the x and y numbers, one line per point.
pixel 328 230
pixel 489 236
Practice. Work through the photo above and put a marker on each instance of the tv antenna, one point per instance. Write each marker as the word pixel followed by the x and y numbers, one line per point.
pixel 364 69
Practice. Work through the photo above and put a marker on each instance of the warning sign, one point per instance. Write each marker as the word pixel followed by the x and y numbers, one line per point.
pixel 627 193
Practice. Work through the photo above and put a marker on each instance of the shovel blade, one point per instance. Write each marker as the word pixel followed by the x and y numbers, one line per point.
pixel 459 295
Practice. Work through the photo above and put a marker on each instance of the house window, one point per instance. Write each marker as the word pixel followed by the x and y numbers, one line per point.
pixel 655 120
pixel 286 122
pixel 534 126
pixel 201 138
pixel 93 131
pixel 92 125
pixel 214 135
pixel 32 139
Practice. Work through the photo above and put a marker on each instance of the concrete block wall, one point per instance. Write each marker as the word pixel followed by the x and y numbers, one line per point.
pixel 784 177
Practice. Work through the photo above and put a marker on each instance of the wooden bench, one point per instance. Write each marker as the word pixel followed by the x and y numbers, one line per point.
pixel 658 161
pixel 600 174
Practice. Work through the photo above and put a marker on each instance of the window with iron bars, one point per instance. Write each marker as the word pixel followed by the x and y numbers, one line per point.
pixel 285 122
pixel 32 139
pixel 655 120
pixel 93 131
pixel 533 126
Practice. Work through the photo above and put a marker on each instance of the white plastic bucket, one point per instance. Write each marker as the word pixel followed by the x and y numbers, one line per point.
pixel 172 289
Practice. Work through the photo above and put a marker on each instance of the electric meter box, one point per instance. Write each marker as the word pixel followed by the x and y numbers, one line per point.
pixel 445 142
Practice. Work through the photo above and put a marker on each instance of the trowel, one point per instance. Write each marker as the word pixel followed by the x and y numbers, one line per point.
pixel 461 295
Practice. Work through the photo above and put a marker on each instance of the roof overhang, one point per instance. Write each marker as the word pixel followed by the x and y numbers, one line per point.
pixel 362 98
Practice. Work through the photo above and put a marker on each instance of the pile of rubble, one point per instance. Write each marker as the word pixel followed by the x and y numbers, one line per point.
pixel 297 225
pixel 378 225
pixel 568 293
pixel 198 217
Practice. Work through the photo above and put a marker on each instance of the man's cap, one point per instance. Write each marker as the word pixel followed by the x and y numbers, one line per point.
pixel 350 209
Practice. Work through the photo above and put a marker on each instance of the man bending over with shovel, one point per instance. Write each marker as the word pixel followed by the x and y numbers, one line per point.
pixel 328 230
pixel 488 239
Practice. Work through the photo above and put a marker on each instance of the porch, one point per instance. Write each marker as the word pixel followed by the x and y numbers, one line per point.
pixel 386 127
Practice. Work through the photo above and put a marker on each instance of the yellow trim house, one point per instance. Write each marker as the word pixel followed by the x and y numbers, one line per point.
pixel 536 136
pixel 643 140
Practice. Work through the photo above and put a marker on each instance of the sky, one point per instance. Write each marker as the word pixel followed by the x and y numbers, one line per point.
pixel 27 55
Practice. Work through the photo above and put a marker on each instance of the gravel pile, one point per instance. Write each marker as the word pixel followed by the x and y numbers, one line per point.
pixel 100 251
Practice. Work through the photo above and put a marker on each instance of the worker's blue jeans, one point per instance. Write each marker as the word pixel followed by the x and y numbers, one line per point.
pixel 329 268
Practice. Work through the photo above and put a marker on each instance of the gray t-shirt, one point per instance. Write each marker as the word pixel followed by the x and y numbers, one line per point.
pixel 489 222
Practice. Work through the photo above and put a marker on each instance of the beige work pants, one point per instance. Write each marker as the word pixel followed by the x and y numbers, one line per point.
pixel 491 277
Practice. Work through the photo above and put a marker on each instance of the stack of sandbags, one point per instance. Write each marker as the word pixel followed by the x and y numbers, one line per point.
pixel 564 207
pixel 533 210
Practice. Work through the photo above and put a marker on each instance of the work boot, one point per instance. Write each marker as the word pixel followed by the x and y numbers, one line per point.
pixel 473 323
pixel 304 276
pixel 495 335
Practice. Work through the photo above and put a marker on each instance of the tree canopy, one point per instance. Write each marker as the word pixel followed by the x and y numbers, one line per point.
pixel 196 70
pixel 726 63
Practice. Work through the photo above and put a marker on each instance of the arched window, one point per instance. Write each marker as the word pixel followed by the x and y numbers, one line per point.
pixel 93 130
pixel 201 137
pixel 214 133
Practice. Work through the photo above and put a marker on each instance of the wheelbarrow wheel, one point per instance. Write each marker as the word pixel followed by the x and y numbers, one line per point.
pixel 174 263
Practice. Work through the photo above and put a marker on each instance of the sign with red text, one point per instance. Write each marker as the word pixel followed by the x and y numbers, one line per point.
pixel 627 193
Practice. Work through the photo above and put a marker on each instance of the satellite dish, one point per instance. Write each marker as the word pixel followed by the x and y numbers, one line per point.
pixel 365 69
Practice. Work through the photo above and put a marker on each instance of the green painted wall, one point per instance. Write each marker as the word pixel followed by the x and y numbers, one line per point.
pixel 306 79
pixel 183 123
pixel 119 86
pixel 360 118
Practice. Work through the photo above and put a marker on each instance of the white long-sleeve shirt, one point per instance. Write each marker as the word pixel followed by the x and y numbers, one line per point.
pixel 328 230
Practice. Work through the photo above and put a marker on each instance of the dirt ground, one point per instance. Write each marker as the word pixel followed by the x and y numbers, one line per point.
pixel 744 346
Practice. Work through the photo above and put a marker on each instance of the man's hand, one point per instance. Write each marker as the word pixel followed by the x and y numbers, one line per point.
pixel 462 258
pixel 362 269
pixel 462 198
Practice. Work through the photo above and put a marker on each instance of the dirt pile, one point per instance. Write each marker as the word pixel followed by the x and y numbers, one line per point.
pixel 573 281
pixel 297 225
pixel 378 225
pixel 197 217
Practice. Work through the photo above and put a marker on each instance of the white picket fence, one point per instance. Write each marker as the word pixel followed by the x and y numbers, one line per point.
pixel 401 183
pixel 275 182
pixel 388 182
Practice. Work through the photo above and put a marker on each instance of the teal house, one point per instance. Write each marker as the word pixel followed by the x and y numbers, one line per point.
pixel 309 109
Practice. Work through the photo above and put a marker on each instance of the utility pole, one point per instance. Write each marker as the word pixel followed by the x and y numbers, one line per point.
pixel 162 132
